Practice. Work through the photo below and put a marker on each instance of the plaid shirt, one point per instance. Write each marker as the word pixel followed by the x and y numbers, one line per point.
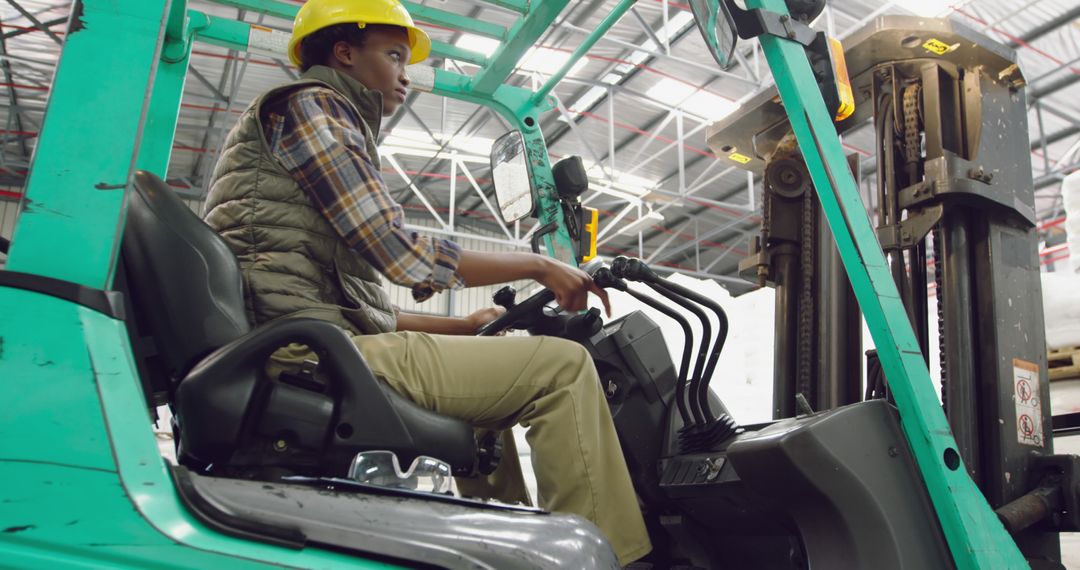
pixel 317 136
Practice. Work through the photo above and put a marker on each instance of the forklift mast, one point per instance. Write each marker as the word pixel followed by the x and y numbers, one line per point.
pixel 955 216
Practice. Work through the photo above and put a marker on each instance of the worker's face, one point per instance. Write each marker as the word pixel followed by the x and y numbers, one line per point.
pixel 380 64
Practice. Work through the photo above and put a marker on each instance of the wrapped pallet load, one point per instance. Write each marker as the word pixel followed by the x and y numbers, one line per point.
pixel 1061 296
pixel 1070 195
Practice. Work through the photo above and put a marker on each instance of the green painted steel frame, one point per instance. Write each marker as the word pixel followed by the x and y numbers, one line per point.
pixel 518 107
pixel 974 534
pixel 64 187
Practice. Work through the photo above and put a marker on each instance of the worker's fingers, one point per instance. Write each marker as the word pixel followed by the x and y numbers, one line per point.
pixel 602 293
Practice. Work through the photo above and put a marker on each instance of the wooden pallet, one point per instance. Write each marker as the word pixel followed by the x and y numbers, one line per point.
pixel 1064 364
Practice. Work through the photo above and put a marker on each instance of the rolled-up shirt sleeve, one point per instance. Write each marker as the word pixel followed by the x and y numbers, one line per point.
pixel 317 137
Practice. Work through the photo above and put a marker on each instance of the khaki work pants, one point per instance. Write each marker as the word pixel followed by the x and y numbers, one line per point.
pixel 546 384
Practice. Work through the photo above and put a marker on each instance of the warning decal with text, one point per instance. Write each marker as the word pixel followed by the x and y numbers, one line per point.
pixel 1029 429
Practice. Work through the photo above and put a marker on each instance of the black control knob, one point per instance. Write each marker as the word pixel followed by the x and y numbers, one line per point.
pixel 633 269
pixel 505 297
pixel 605 279
pixel 585 325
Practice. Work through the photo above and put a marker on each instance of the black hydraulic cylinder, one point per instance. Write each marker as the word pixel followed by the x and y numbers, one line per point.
pixel 1030 508
pixel 839 329
pixel 786 276
pixel 958 359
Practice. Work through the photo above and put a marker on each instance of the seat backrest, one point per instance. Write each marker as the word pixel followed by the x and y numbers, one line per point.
pixel 183 281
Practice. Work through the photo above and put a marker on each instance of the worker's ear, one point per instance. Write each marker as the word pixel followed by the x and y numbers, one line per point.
pixel 343 53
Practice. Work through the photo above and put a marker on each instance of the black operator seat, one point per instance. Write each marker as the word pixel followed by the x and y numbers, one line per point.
pixel 197 350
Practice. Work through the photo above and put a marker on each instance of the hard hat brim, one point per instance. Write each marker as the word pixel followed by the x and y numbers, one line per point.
pixel 419 43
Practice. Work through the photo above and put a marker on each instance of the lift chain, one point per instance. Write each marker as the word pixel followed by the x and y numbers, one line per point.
pixel 806 295
pixel 912 144
pixel 939 272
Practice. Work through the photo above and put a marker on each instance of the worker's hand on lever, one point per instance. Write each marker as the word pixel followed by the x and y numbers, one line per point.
pixel 482 317
pixel 571 287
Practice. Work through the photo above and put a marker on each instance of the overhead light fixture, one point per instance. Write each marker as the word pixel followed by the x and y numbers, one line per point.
pixel 643 223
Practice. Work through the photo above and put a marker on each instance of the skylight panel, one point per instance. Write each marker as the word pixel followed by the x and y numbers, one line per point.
pixel 691 99
pixel 479 44
pixel 548 61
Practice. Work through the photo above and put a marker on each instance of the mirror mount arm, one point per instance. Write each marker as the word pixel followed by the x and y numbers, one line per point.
pixel 756 22
pixel 539 235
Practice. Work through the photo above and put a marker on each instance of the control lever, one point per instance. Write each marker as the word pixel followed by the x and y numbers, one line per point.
pixel 705 434
pixel 721 317
pixel 721 332
pixel 604 278
pixel 635 270
pixel 584 325
pixel 505 297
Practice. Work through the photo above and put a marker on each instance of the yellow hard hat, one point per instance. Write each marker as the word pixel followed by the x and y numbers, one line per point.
pixel 315 15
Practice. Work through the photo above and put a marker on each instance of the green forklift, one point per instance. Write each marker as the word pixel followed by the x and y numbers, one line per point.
pixel 117 299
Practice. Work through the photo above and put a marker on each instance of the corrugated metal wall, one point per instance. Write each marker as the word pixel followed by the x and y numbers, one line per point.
pixel 452 303
pixel 8 208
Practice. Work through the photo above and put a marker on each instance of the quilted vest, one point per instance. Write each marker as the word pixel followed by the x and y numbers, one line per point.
pixel 292 261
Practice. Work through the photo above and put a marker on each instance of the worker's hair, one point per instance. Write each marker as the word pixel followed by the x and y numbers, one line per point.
pixel 317 48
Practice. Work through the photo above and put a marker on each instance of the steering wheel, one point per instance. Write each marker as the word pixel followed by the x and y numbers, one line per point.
pixel 518 316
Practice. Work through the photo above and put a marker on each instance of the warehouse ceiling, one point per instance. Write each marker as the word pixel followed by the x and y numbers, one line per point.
pixel 635 109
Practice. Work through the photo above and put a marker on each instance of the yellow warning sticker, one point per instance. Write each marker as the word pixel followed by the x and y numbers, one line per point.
pixel 937 46
pixel 740 158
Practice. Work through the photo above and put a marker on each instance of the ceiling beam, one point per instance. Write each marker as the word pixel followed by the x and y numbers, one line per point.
pixel 1046 27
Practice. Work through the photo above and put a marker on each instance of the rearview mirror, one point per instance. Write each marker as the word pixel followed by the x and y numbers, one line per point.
pixel 717 28
pixel 510 174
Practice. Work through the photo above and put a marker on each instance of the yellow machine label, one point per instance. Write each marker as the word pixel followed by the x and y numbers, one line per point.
pixel 843 82
pixel 937 46
pixel 740 158
pixel 591 229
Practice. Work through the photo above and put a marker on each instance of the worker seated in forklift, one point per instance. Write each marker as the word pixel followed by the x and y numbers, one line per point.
pixel 298 197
